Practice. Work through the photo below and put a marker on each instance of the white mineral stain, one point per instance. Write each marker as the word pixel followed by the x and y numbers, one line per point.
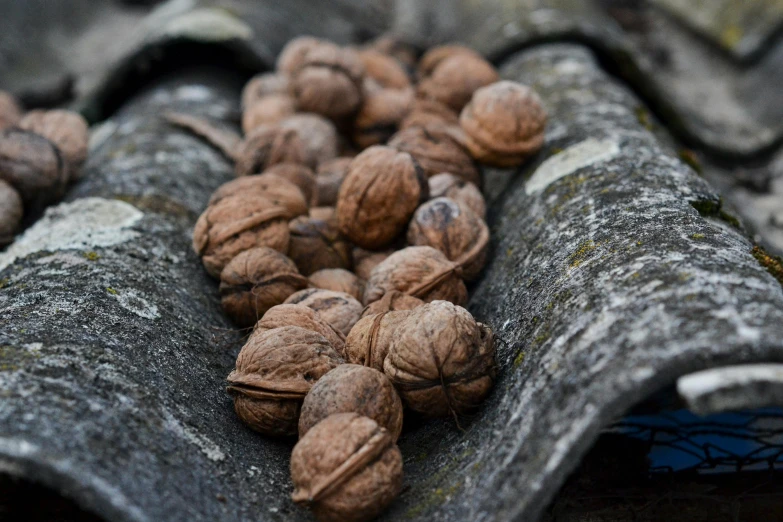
pixel 577 156
pixel 208 24
pixel 136 303
pixel 707 382
pixel 82 225
pixel 204 444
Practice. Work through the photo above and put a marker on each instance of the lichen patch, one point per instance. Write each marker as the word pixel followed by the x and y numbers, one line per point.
pixel 583 154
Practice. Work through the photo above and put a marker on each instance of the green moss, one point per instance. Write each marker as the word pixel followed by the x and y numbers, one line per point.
pixel 519 359
pixel 773 264
pixel 710 208
pixel 4 282
pixel 111 290
pixel 581 253
pixel 643 117
pixel 697 236
pixel 91 256
pixel 691 159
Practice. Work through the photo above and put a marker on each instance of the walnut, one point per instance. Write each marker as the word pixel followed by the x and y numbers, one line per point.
pixel 279 191
pixel 10 111
pixel 303 317
pixel 336 308
pixel 299 175
pixel 384 69
pixel 351 388
pixel 11 212
pixel 338 280
pixel 429 113
pixel 306 139
pixel 455 78
pixel 346 469
pixel 380 116
pixel 238 223
pixel 66 129
pixel 369 340
pixel 269 110
pixel 329 178
pixel 274 371
pixel 255 281
pixel 504 124
pixel 441 360
pixel 378 196
pixel 317 244
pixel 453 229
pixel 393 301
pixel 365 260
pixel 323 213
pixel 329 81
pixel 420 271
pixel 293 54
pixel 403 52
pixel 263 85
pixel 437 150
pixel 434 56
pixel 33 165
pixel 450 186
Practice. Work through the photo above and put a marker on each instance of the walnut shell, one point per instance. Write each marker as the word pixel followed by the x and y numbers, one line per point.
pixel 10 111
pixel 255 281
pixel 329 81
pixel 323 213
pixel 316 244
pixel 274 371
pixel 398 49
pixel 420 271
pixel 441 360
pixel 453 229
pixel 11 212
pixel 393 301
pixel 384 69
pixel 33 165
pixel 450 186
pixel 306 139
pixel 369 340
pixel 303 317
pixel 338 280
pixel 378 196
pixel 380 116
pixel 364 261
pixel 268 110
pixel 429 113
pixel 336 308
pixel 263 85
pixel 277 190
pixel 346 468
pixel 68 130
pixel 437 150
pixel 299 175
pixel 351 388
pixel 293 54
pixel 329 178
pixel 504 124
pixel 238 223
pixel 455 78
pixel 435 55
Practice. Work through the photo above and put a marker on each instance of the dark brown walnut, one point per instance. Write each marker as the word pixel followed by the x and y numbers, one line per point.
pixel 317 244
pixel 33 165
pixel 303 317
pixel 378 196
pixel 329 82
pixel 274 371
pixel 255 281
pixel 293 54
pixel 369 340
pixel 352 388
pixel 338 280
pixel 403 52
pixel 435 55
pixel 299 175
pixel 364 261
pixel 420 271
pixel 279 191
pixel 453 229
pixel 10 111
pixel 393 301
pixel 437 150
pixel 346 469
pixel 504 124
pixel 429 113
pixel 263 85
pixel 339 309
pixel 323 213
pixel 238 223
pixel 380 116
pixel 66 129
pixel 445 185
pixel 11 212
pixel 329 178
pixel 305 139
pixel 441 360
pixel 269 110
pixel 384 69
pixel 455 78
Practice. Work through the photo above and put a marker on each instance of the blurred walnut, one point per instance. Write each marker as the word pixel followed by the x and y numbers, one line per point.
pixel 429 113
pixel 504 124
pixel 420 271
pixel 450 186
pixel 255 281
pixel 365 260
pixel 268 110
pixel 323 213
pixel 10 111
pixel 380 116
pixel 453 79
pixel 435 55
pixel 384 69
pixel 317 244
pixel 378 196
pixel 441 360
pixel 303 317
pixel 238 223
pixel 66 129
pixel 33 165
pixel 336 308
pixel 263 85
pixel 369 340
pixel 274 371
pixel 11 212
pixel 295 51
pixel 393 301
pixel 453 229
pixel 437 150
pixel 338 280
pixel 299 175
pixel 329 178
pixel 346 469
pixel 306 139
pixel 277 190
pixel 403 52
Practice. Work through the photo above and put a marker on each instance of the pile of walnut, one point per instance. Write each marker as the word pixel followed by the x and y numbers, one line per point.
pixel 353 253
pixel 40 153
